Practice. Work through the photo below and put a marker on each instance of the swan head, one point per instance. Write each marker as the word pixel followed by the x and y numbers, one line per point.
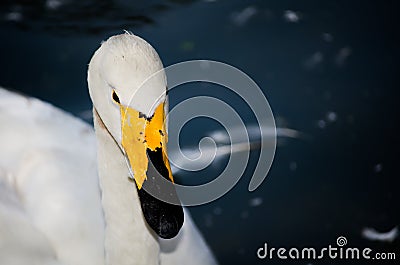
pixel 125 71
pixel 127 85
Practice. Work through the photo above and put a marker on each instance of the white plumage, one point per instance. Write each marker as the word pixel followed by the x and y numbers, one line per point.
pixel 53 208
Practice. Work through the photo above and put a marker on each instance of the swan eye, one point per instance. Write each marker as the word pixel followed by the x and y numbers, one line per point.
pixel 115 97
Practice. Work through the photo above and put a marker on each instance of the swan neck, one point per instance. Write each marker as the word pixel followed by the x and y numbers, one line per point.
pixel 128 240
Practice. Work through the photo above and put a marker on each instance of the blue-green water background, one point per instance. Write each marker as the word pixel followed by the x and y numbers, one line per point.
pixel 340 58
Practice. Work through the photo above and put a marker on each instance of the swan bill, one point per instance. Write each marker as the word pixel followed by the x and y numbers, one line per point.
pixel 144 141
pixel 141 133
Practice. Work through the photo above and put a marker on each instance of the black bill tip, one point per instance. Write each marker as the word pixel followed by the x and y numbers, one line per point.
pixel 166 219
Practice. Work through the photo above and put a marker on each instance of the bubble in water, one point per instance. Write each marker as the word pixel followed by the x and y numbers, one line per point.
pixel 378 168
pixel 53 4
pixel 331 116
pixel 256 202
pixel 314 60
pixel 291 16
pixel 13 16
pixel 242 17
pixel 321 124
pixel 342 55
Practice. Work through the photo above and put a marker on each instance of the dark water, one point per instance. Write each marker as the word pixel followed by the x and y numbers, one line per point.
pixel 329 70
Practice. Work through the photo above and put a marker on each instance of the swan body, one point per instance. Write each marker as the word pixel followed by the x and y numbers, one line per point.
pixel 49 181
pixel 60 203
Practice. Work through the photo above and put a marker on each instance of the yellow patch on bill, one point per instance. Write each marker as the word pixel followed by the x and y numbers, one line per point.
pixel 140 134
